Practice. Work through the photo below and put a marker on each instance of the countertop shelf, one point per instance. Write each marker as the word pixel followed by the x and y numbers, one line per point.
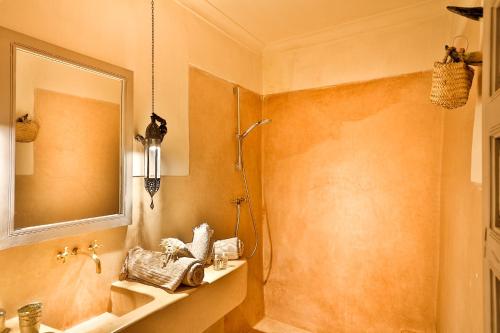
pixel 13 327
pixel 161 300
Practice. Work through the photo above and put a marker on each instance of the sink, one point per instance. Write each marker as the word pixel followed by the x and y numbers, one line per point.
pixel 121 301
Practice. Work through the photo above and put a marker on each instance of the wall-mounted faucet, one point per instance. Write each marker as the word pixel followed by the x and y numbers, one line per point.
pixel 238 201
pixel 92 249
pixel 64 255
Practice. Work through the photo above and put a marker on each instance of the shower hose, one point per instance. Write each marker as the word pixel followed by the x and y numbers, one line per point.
pixel 248 198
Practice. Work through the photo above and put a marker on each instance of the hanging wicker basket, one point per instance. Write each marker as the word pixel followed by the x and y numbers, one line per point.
pixel 451 82
pixel 26 129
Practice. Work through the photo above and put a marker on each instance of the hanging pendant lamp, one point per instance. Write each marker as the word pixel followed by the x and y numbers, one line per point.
pixel 155 131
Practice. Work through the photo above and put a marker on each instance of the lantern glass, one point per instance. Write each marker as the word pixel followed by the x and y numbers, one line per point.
pixel 152 158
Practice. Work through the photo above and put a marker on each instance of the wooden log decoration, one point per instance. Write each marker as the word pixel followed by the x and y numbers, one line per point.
pixel 473 13
pixel 473 58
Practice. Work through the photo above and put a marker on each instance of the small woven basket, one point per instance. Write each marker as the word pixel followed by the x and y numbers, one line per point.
pixel 26 130
pixel 451 83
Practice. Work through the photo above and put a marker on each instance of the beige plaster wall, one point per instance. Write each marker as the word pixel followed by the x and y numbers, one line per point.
pixel 460 290
pixel 70 292
pixel 103 29
pixel 76 162
pixel 351 178
pixel 181 203
pixel 392 43
pixel 213 182
pixel 460 297
pixel 118 32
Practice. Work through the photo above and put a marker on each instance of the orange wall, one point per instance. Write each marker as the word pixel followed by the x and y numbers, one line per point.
pixel 351 179
pixel 76 163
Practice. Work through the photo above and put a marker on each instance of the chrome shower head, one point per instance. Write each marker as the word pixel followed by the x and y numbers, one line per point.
pixel 253 126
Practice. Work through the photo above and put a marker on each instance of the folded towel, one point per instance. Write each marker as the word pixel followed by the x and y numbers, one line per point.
pixel 154 268
pixel 232 247
pixel 201 247
pixel 194 276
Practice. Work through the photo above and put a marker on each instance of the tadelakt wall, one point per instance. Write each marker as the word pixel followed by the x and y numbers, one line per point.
pixel 373 50
pixel 213 183
pixel 118 32
pixel 351 178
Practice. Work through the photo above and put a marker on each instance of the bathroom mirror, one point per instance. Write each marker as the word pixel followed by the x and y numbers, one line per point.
pixel 65 141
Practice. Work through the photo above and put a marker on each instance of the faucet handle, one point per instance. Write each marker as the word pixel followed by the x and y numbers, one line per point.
pixel 94 246
pixel 238 201
pixel 63 256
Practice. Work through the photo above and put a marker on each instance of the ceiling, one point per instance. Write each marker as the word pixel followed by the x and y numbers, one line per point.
pixel 270 21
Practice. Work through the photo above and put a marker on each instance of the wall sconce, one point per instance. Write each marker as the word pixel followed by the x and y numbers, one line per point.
pixel 152 161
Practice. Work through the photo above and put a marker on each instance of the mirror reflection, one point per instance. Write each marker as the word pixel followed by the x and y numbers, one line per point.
pixel 68 139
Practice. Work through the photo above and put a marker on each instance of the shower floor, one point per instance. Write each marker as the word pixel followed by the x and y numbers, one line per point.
pixel 268 325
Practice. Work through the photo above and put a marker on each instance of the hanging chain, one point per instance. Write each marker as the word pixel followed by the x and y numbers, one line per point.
pixel 152 56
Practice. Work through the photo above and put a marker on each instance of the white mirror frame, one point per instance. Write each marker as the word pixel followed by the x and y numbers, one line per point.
pixel 9 237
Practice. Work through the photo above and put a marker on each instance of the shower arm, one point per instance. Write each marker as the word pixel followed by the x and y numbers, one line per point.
pixel 241 136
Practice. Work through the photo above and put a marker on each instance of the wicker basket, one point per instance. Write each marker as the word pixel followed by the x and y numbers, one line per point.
pixel 26 130
pixel 451 83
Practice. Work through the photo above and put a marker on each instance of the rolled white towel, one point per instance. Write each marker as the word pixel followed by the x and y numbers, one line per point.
pixel 194 276
pixel 154 268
